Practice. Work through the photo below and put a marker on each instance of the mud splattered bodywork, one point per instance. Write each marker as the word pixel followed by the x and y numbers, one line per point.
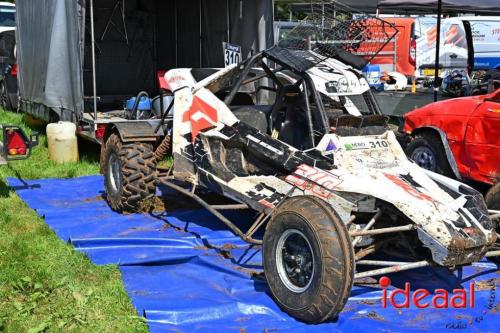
pixel 346 158
pixel 296 135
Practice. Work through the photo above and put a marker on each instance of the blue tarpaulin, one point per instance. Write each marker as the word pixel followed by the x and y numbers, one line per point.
pixel 185 271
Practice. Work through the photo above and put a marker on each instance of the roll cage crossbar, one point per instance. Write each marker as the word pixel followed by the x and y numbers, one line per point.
pixel 304 80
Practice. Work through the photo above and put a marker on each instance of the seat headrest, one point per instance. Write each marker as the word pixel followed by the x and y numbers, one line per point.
pixel 291 94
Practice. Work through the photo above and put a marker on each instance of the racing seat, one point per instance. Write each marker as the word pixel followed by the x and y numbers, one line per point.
pixel 289 117
pixel 253 115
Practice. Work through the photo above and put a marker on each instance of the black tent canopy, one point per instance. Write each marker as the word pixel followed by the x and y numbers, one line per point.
pixel 411 6
pixel 429 6
pixel 133 40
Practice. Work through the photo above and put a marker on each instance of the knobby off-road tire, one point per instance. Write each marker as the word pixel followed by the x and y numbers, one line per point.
pixel 493 202
pixel 129 174
pixel 428 152
pixel 305 233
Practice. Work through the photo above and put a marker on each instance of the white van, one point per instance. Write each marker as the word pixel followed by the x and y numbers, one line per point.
pixel 454 48
pixel 486 40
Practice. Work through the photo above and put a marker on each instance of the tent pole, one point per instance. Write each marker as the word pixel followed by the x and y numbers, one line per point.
pixel 93 58
pixel 438 45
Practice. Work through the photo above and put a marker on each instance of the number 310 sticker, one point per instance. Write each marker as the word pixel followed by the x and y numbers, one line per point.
pixel 232 54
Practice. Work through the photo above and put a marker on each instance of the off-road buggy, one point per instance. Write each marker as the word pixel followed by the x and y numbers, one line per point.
pixel 295 135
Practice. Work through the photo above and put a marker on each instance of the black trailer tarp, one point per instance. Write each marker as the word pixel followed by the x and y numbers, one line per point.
pixel 49 56
pixel 134 39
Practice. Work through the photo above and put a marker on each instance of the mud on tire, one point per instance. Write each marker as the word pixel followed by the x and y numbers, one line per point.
pixel 306 234
pixel 129 173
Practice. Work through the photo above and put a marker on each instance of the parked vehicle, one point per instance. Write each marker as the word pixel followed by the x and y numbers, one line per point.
pixel 399 55
pixel 8 71
pixel 459 134
pixel 15 144
pixel 128 52
pixel 412 51
pixel 458 138
pixel 7 16
pixel 486 40
pixel 318 177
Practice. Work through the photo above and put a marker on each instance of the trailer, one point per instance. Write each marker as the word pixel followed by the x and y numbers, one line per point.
pixel 80 61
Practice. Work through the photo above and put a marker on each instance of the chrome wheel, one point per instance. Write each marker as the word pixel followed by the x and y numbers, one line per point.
pixel 295 261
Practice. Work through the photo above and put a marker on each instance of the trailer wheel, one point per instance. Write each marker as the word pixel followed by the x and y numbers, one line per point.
pixel 493 202
pixel 427 151
pixel 5 102
pixel 129 174
pixel 308 259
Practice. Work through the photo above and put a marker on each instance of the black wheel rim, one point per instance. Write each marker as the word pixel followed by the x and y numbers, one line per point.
pixel 425 158
pixel 114 173
pixel 295 260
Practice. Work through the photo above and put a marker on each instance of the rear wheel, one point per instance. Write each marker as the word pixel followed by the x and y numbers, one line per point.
pixel 493 202
pixel 428 152
pixel 308 259
pixel 4 97
pixel 129 173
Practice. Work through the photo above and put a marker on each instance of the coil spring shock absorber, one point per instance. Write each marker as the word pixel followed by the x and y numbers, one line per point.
pixel 163 149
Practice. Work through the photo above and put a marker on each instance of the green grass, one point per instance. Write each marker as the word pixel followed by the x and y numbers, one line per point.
pixel 45 285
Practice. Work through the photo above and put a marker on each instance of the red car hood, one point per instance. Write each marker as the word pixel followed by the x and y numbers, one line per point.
pixel 434 114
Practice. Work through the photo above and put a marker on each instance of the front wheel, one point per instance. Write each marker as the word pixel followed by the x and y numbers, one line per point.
pixel 129 173
pixel 428 152
pixel 308 259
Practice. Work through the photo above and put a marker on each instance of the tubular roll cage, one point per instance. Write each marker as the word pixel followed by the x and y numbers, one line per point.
pixel 262 218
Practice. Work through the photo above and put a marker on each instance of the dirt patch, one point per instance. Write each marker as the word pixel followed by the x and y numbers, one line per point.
pixel 225 254
pixel 375 315
pixel 259 275
pixel 369 302
pixel 97 198
pixel 222 252
pixel 229 247
pixel 486 284
pixel 153 205
pixel 371 314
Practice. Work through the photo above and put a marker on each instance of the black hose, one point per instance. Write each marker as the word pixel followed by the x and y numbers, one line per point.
pixel 136 104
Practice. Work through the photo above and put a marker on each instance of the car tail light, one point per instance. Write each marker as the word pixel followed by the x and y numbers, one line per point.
pixel 13 70
pixel 15 143
pixel 413 51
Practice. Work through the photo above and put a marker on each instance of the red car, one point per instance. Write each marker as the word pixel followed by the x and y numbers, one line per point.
pixel 459 138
